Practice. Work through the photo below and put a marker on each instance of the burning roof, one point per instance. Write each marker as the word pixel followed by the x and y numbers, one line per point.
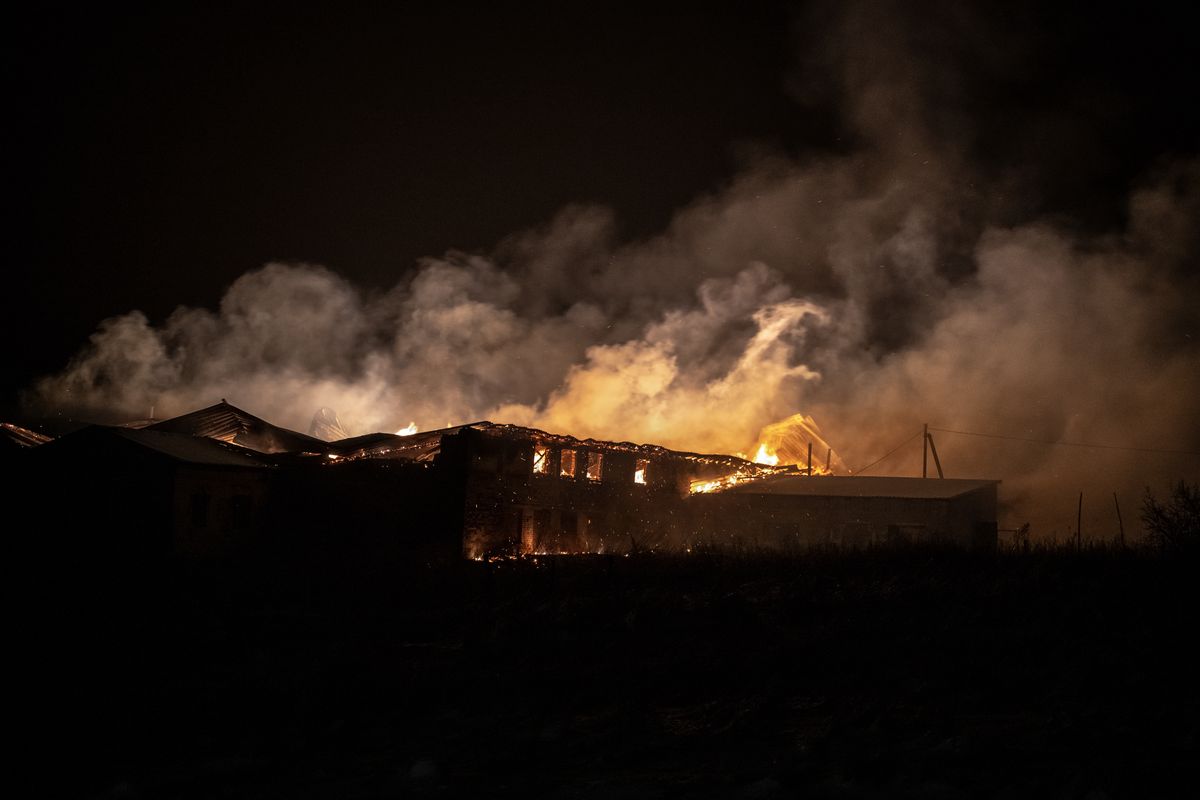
pixel 423 446
pixel 709 472
pixel 227 424
pixel 797 440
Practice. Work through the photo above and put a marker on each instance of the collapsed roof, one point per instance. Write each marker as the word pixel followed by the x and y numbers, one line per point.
pixel 228 424
pixel 425 445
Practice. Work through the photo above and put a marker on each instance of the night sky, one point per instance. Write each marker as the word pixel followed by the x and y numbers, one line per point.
pixel 160 154
pixel 155 155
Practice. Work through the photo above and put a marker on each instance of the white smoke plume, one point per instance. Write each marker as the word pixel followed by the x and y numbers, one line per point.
pixel 877 290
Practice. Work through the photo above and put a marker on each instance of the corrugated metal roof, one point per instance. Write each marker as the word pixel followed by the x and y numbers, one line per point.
pixel 862 486
pixel 97 442
pixel 231 424
pixel 192 449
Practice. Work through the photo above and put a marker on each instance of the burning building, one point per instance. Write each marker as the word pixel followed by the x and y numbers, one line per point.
pixel 484 489
pixel 528 492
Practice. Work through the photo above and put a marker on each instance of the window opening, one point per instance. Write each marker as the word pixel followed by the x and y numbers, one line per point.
pixel 595 464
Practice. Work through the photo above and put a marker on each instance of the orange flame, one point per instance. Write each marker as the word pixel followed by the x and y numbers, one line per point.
pixel 784 446
pixel 765 455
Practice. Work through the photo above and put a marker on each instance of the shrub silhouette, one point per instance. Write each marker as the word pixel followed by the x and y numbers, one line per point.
pixel 1174 523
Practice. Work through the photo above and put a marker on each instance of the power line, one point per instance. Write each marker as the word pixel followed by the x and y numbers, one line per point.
pixel 1066 444
pixel 888 453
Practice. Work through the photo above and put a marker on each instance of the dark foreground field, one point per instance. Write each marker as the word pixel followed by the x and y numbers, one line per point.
pixel 915 674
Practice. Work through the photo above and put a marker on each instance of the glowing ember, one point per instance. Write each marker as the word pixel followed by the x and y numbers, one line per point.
pixel 706 486
pixel 407 430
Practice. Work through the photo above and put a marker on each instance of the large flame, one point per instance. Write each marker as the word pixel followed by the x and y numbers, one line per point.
pixel 765 455
pixel 793 445
pixel 407 430
pixel 791 440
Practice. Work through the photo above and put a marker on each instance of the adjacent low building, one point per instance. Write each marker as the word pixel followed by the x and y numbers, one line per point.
pixel 796 511
pixel 162 493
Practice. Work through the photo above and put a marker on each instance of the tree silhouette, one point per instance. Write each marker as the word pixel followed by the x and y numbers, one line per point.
pixel 1174 523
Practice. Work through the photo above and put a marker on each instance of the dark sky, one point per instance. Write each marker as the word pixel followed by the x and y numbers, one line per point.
pixel 154 155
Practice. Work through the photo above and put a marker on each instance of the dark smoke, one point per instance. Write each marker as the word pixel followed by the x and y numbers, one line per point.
pixel 904 279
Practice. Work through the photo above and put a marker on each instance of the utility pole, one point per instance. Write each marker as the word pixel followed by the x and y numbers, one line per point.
pixel 810 459
pixel 828 456
pixel 925 452
pixel 1079 523
pixel 1119 522
pixel 937 462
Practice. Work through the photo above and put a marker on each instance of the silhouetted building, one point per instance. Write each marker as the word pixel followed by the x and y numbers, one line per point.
pixel 219 479
pixel 160 492
pixel 795 511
